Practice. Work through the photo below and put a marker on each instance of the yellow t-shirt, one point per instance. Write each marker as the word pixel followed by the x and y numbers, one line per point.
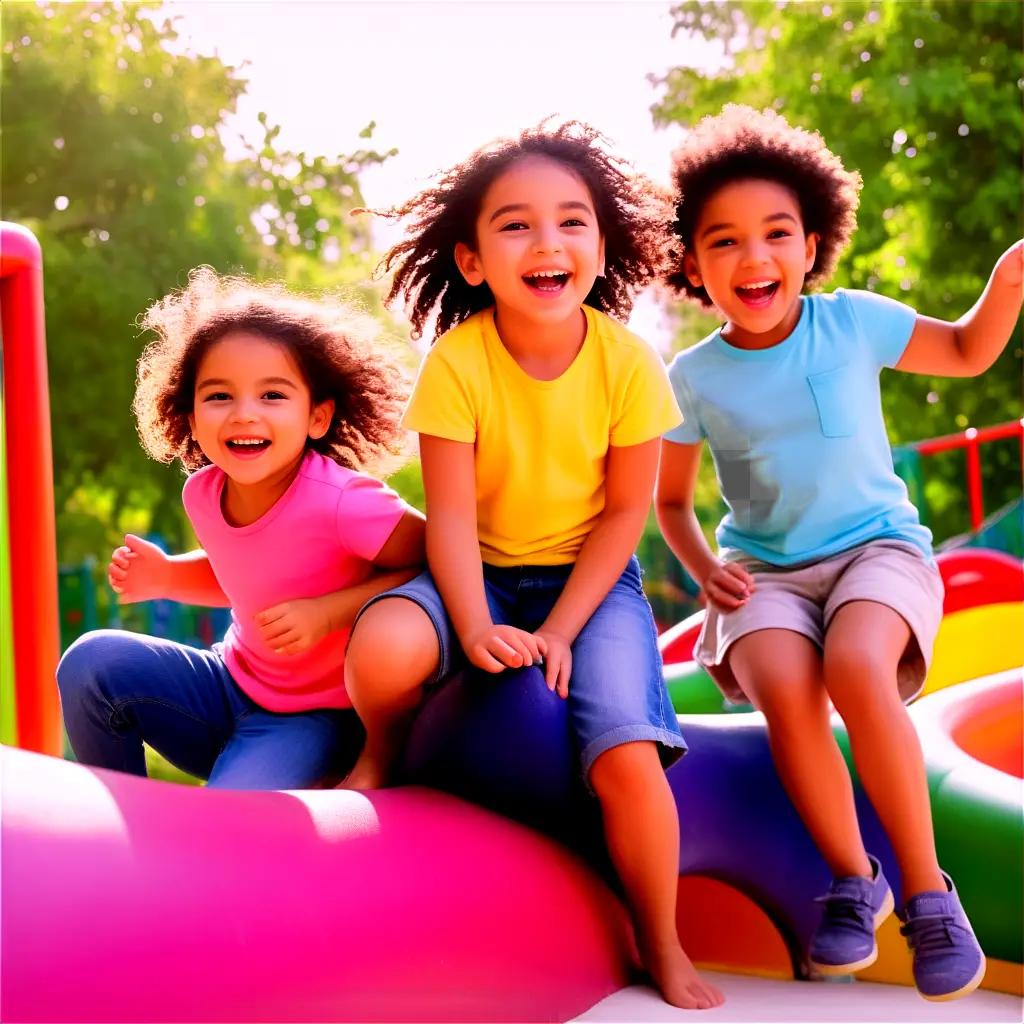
pixel 541 445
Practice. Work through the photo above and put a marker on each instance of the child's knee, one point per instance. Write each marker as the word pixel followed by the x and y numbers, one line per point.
pixel 393 639
pixel 624 768
pixel 96 667
pixel 78 671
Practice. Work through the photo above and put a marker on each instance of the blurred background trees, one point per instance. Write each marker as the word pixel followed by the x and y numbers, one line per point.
pixel 113 156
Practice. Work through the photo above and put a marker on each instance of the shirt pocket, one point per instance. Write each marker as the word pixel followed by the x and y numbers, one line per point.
pixel 833 395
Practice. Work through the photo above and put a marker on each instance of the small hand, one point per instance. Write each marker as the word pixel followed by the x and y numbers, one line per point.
pixel 293 626
pixel 136 570
pixel 557 661
pixel 496 648
pixel 1009 268
pixel 728 586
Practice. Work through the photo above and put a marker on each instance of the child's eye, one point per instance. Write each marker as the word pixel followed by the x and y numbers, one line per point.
pixel 514 225
pixel 778 233
pixel 217 396
pixel 573 222
pixel 721 243
pixel 274 396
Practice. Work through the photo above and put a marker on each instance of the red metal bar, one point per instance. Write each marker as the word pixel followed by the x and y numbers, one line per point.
pixel 972 439
pixel 33 534
pixel 1015 428
pixel 974 493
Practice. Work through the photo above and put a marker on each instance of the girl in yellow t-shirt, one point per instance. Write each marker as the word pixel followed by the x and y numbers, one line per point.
pixel 539 419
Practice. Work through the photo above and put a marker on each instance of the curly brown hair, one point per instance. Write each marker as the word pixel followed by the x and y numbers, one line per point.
pixel 743 143
pixel 632 213
pixel 338 350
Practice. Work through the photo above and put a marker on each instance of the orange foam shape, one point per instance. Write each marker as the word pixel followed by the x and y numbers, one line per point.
pixel 720 927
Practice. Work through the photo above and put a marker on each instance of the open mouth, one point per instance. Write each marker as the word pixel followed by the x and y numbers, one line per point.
pixel 547 282
pixel 247 446
pixel 757 293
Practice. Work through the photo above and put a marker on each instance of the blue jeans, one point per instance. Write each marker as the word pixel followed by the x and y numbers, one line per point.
pixel 119 689
pixel 617 692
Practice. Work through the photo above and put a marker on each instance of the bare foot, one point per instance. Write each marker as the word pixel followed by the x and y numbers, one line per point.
pixel 367 773
pixel 677 979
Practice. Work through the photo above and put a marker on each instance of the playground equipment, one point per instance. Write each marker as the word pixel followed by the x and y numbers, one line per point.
pixel 28 548
pixel 412 904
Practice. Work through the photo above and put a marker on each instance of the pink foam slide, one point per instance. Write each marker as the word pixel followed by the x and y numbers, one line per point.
pixel 125 899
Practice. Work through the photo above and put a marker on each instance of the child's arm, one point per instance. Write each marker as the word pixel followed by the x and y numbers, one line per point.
pixel 970 345
pixel 453 551
pixel 726 584
pixel 629 482
pixel 140 571
pixel 294 626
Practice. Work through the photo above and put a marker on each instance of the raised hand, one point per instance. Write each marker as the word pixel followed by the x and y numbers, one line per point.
pixel 138 571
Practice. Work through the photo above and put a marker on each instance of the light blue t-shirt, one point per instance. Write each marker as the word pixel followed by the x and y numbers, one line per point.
pixel 797 433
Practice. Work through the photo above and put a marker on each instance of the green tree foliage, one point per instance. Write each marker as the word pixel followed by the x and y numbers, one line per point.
pixel 113 156
pixel 924 99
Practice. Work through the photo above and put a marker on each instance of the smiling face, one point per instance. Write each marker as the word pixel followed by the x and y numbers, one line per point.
pixel 538 243
pixel 253 411
pixel 751 255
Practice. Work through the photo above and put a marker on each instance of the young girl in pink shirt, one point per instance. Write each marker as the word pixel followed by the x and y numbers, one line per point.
pixel 276 406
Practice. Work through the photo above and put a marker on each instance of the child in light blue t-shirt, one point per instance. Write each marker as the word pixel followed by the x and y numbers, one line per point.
pixel 825 588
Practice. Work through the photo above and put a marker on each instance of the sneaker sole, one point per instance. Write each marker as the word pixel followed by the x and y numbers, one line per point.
pixel 966 990
pixel 887 907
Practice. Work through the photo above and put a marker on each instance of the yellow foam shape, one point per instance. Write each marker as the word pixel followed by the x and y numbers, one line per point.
pixel 977 642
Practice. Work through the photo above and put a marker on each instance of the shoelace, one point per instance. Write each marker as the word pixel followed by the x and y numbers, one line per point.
pixel 844 910
pixel 930 933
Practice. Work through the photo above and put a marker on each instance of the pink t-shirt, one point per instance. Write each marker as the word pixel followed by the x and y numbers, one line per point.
pixel 322 535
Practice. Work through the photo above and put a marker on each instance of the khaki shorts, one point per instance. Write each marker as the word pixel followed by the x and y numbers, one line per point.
pixel 804 598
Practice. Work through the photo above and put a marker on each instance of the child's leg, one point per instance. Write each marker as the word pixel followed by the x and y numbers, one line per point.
pixel 630 782
pixel 781 672
pixel 393 652
pixel 119 689
pixel 286 751
pixel 624 722
pixel 863 647
pixel 864 644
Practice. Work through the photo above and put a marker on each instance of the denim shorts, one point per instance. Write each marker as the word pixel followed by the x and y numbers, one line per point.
pixel 617 692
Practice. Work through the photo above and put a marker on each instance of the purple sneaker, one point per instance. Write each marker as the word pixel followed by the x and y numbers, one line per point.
pixel 844 941
pixel 948 962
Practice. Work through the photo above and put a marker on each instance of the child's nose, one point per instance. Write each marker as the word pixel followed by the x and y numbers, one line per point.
pixel 245 411
pixel 755 252
pixel 547 240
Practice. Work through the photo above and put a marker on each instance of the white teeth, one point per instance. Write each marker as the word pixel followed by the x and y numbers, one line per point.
pixel 247 440
pixel 549 273
pixel 758 284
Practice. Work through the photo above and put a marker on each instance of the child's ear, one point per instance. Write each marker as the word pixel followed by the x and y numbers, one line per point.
pixel 469 264
pixel 812 251
pixel 320 419
pixel 192 423
pixel 600 259
pixel 691 270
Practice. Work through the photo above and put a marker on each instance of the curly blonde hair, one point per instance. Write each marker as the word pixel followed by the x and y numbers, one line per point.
pixel 743 143
pixel 339 351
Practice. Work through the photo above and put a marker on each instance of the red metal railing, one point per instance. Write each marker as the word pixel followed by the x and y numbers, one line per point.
pixel 972 439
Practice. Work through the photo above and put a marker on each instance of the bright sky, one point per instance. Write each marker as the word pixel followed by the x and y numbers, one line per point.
pixel 440 78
